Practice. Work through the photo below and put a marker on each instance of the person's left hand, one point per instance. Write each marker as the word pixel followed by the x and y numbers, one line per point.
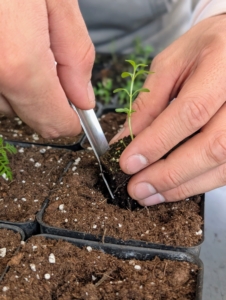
pixel 192 69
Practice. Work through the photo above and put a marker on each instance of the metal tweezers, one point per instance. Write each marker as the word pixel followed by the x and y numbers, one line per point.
pixel 95 135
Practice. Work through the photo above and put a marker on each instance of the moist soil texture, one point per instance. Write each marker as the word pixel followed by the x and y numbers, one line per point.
pixel 36 171
pixel 13 129
pixel 116 178
pixel 49 269
pixel 9 243
pixel 80 204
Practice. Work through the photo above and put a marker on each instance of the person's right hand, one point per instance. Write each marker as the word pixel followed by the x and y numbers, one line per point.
pixel 33 36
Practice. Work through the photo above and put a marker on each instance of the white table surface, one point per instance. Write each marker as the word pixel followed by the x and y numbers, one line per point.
pixel 213 251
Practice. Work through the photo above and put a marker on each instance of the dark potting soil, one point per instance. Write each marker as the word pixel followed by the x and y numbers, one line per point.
pixel 111 123
pixel 9 243
pixel 36 171
pixel 116 178
pixel 13 129
pixel 79 204
pixel 49 269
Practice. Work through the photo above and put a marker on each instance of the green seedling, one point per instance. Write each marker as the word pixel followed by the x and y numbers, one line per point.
pixel 138 69
pixel 104 89
pixel 123 95
pixel 5 169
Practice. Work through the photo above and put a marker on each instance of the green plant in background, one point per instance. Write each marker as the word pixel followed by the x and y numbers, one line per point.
pixel 104 89
pixel 131 92
pixel 5 148
pixel 141 54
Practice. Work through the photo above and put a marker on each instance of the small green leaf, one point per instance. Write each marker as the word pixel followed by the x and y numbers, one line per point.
pixel 122 110
pixel 120 89
pixel 132 63
pixel 141 90
pixel 126 74
pixel 142 72
pixel 142 65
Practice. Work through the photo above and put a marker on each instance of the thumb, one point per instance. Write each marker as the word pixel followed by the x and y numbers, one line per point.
pixel 73 51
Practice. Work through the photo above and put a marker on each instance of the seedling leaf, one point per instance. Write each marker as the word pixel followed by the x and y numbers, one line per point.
pixel 4 161
pixel 120 89
pixel 143 72
pixel 122 110
pixel 130 92
pixel 126 74
pixel 132 63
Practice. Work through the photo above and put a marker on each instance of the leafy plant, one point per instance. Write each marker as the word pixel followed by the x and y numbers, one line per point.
pixel 141 54
pixel 138 69
pixel 5 170
pixel 104 89
pixel 122 98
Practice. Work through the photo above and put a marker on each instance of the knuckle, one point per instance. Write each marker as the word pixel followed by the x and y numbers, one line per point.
pixel 158 61
pixel 139 104
pixel 161 144
pixel 88 57
pixel 216 150
pixel 171 178
pixel 222 174
pixel 196 113
pixel 182 192
pixel 49 134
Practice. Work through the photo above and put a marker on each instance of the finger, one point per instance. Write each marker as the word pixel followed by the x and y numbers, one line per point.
pixel 197 102
pixel 206 182
pixel 28 77
pixel 199 155
pixel 5 107
pixel 73 51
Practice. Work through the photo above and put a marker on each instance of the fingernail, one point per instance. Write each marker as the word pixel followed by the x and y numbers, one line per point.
pixel 116 137
pixel 152 200
pixel 90 91
pixel 136 163
pixel 143 190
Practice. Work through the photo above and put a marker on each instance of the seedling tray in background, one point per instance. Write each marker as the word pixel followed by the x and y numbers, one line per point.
pixel 195 250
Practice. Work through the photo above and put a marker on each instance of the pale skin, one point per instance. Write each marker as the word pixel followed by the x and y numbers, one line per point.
pixel 37 33
pixel 34 35
pixel 192 69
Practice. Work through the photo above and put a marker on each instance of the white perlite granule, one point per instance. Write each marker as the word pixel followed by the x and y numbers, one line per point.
pixel 52 258
pixel 47 276
pixel 77 161
pixel 89 249
pixel 137 267
pixel 37 165
pixel 33 267
pixel 5 176
pixel 35 136
pixel 199 232
pixel 2 252
pixel 61 207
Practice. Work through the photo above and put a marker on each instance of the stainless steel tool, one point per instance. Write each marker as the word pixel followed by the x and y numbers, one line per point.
pixel 95 135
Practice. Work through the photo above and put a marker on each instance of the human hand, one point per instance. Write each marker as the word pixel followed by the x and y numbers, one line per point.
pixel 192 69
pixel 33 36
